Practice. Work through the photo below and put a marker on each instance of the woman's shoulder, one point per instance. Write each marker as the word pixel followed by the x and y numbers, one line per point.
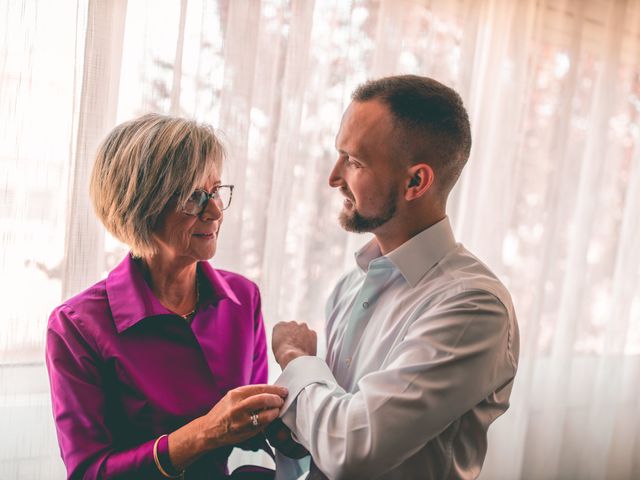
pixel 235 279
pixel 238 283
pixel 89 303
pixel 244 289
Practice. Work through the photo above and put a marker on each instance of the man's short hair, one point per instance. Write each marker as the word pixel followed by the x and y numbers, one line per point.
pixel 143 166
pixel 430 120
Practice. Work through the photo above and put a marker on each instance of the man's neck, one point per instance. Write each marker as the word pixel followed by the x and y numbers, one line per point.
pixel 394 233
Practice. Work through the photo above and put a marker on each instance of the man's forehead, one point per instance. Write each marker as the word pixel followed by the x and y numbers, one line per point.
pixel 370 112
pixel 362 119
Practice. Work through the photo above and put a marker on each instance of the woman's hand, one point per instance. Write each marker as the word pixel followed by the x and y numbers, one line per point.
pixel 229 422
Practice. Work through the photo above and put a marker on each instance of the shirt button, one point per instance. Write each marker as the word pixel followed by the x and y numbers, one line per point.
pixel 365 304
pixel 347 361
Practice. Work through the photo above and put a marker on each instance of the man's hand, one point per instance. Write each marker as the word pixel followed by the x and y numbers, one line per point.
pixel 291 340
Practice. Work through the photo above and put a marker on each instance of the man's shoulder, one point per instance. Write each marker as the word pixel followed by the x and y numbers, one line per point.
pixel 462 272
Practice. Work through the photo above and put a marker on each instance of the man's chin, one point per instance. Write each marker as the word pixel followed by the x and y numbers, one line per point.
pixel 353 221
pixel 349 221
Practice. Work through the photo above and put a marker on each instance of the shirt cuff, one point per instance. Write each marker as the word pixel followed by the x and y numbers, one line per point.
pixel 300 373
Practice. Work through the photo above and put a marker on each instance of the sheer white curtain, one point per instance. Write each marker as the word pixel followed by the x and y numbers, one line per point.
pixel 550 198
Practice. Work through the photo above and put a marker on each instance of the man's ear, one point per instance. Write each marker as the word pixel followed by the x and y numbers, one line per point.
pixel 420 179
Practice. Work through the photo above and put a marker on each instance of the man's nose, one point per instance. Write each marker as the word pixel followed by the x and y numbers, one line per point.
pixel 335 177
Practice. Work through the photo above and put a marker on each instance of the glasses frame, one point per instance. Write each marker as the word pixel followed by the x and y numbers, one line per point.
pixel 210 195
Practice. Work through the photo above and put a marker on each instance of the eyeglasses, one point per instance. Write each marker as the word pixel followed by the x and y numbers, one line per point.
pixel 199 199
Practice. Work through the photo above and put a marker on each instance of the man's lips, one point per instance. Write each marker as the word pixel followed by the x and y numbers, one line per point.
pixel 348 201
pixel 348 198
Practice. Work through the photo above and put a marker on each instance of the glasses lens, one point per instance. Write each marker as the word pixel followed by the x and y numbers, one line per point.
pixel 195 202
pixel 223 196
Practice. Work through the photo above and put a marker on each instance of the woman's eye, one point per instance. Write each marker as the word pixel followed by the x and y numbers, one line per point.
pixel 196 198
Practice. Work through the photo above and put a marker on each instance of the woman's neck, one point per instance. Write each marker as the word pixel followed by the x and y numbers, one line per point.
pixel 172 283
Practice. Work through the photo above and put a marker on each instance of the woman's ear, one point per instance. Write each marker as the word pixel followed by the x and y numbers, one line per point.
pixel 420 179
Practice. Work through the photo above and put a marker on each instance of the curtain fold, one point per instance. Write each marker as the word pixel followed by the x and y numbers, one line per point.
pixel 96 116
pixel 240 59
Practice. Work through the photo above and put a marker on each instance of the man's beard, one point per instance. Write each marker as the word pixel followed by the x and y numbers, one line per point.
pixel 355 222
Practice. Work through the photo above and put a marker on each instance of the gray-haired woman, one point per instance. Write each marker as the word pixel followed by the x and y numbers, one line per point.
pixel 153 370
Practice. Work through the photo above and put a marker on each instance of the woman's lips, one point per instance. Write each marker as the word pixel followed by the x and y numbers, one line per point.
pixel 205 235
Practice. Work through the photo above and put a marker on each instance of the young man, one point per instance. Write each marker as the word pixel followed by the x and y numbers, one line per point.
pixel 422 339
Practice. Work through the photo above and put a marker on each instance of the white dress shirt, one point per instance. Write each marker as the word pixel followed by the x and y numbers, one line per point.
pixel 422 350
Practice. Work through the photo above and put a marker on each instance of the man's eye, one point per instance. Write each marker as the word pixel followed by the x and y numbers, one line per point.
pixel 352 163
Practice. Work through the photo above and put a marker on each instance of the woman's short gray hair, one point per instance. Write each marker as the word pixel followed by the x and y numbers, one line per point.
pixel 141 165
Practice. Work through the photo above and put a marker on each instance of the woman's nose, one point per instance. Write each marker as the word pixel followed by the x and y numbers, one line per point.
pixel 212 211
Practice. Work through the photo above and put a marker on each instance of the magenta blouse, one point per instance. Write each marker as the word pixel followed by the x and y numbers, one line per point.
pixel 124 370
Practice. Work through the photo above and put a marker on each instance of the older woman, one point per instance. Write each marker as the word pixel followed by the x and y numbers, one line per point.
pixel 151 369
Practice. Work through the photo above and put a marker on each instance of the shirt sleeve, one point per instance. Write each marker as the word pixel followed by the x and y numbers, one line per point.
pixel 260 371
pixel 451 358
pixel 78 401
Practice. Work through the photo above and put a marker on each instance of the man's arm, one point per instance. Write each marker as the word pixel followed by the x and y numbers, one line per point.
pixel 291 340
pixel 451 359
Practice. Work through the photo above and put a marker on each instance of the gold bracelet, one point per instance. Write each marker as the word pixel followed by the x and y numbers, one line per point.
pixel 155 458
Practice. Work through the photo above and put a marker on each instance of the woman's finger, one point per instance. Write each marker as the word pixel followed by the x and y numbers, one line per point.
pixel 265 417
pixel 261 401
pixel 262 419
pixel 251 390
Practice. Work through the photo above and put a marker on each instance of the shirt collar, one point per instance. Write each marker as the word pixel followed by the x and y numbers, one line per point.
pixel 415 257
pixel 220 287
pixel 367 254
pixel 132 300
